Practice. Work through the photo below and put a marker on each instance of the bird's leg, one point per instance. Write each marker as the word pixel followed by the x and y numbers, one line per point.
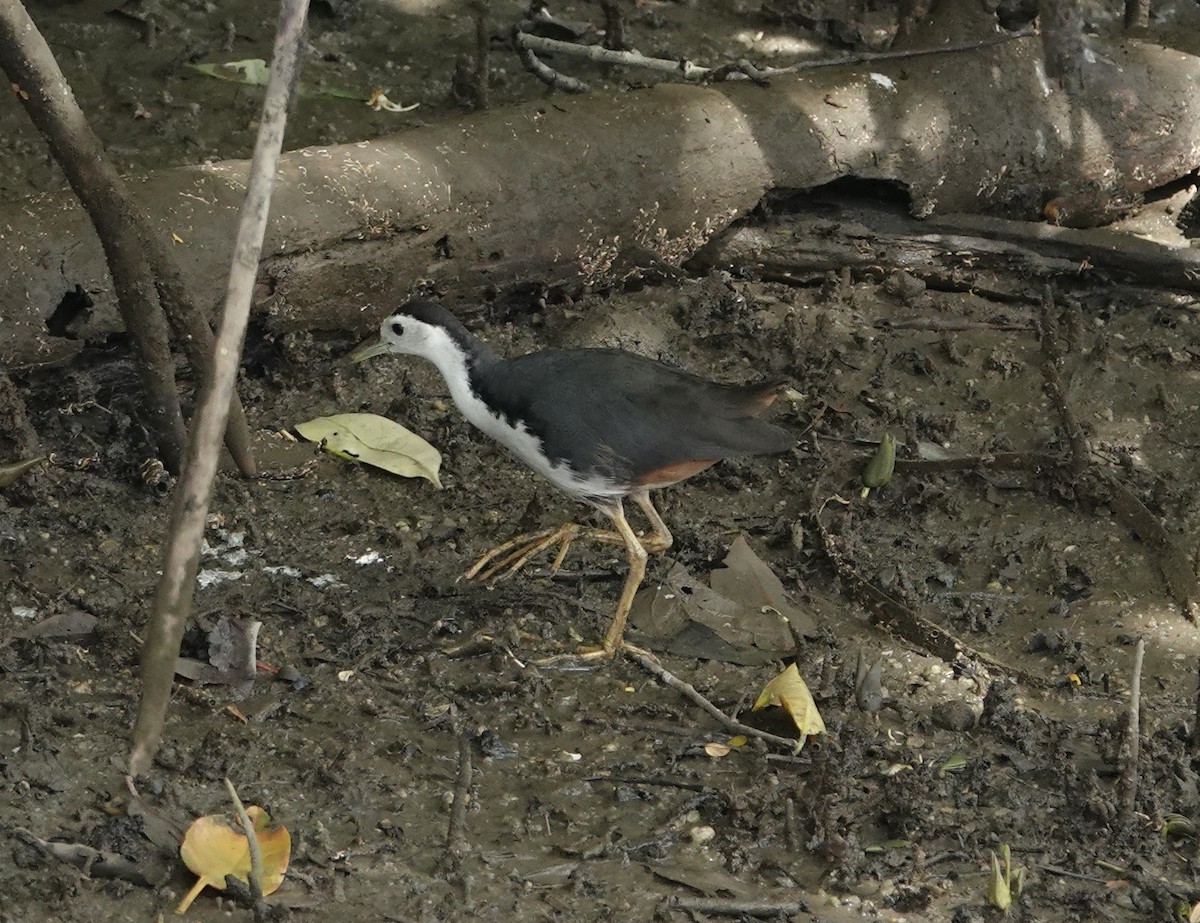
pixel 660 539
pixel 633 580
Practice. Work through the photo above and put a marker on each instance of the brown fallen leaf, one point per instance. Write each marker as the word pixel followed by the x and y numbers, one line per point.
pixel 686 618
pixel 748 579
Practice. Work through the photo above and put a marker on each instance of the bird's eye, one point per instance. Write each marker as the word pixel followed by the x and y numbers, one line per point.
pixel 397 328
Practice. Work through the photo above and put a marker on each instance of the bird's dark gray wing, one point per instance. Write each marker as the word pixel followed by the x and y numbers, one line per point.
pixel 621 415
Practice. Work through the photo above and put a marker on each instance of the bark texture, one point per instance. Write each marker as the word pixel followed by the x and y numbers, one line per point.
pixel 556 190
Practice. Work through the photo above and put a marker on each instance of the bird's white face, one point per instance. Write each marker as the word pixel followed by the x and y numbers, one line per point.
pixel 402 334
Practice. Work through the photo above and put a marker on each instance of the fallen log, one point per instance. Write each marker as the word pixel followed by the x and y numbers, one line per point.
pixel 556 190
pixel 996 258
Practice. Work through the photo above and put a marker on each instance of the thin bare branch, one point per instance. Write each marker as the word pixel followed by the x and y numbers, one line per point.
pixel 1133 736
pixel 256 863
pixel 667 678
pixel 528 45
pixel 172 600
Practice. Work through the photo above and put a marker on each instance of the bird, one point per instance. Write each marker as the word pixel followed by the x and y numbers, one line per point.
pixel 601 425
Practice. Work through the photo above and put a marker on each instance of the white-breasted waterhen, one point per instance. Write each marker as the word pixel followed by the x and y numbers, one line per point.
pixel 600 424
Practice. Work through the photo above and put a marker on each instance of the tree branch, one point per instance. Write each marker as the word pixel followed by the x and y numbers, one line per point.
pixel 173 598
pixel 41 87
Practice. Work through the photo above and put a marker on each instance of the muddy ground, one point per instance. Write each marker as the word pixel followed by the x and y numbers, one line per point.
pixel 592 796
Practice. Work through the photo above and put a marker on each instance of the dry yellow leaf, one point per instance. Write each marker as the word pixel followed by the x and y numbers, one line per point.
pixel 375 440
pixel 789 691
pixel 215 846
pixel 999 894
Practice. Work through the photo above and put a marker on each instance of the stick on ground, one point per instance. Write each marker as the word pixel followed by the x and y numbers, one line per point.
pixel 1133 736
pixel 256 865
pixel 456 839
pixel 657 670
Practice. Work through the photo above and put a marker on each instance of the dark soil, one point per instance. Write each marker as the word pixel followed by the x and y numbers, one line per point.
pixel 591 793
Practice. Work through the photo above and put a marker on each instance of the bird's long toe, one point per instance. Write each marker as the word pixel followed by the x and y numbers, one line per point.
pixel 506 559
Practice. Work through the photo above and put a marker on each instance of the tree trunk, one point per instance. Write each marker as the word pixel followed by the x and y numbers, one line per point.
pixel 556 190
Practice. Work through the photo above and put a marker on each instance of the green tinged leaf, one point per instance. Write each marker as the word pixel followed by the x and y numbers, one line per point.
pixel 998 893
pixel 1004 882
pixel 882 465
pixel 1177 825
pixel 255 72
pixel 252 72
pixel 377 441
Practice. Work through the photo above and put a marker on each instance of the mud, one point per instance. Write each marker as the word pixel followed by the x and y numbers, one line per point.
pixel 591 795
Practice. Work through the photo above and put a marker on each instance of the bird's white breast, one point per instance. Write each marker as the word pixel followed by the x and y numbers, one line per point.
pixel 518 440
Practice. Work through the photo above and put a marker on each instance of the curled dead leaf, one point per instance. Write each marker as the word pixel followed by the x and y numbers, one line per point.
pixel 215 846
pixel 789 691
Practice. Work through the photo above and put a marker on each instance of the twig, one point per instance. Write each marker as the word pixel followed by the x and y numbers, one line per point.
pixel 40 85
pixel 943 324
pixel 483 52
pixel 1066 873
pixel 1053 351
pixel 1080 450
pixel 741 68
pixel 1133 736
pixel 898 618
pixel 527 44
pixel 657 670
pixel 791 826
pixel 256 864
pixel 1121 256
pixel 193 494
pixel 94 863
pixel 650 780
pixel 734 907
pixel 1035 463
pixel 456 837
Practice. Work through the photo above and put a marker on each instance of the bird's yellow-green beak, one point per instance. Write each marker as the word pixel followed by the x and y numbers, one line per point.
pixel 373 346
